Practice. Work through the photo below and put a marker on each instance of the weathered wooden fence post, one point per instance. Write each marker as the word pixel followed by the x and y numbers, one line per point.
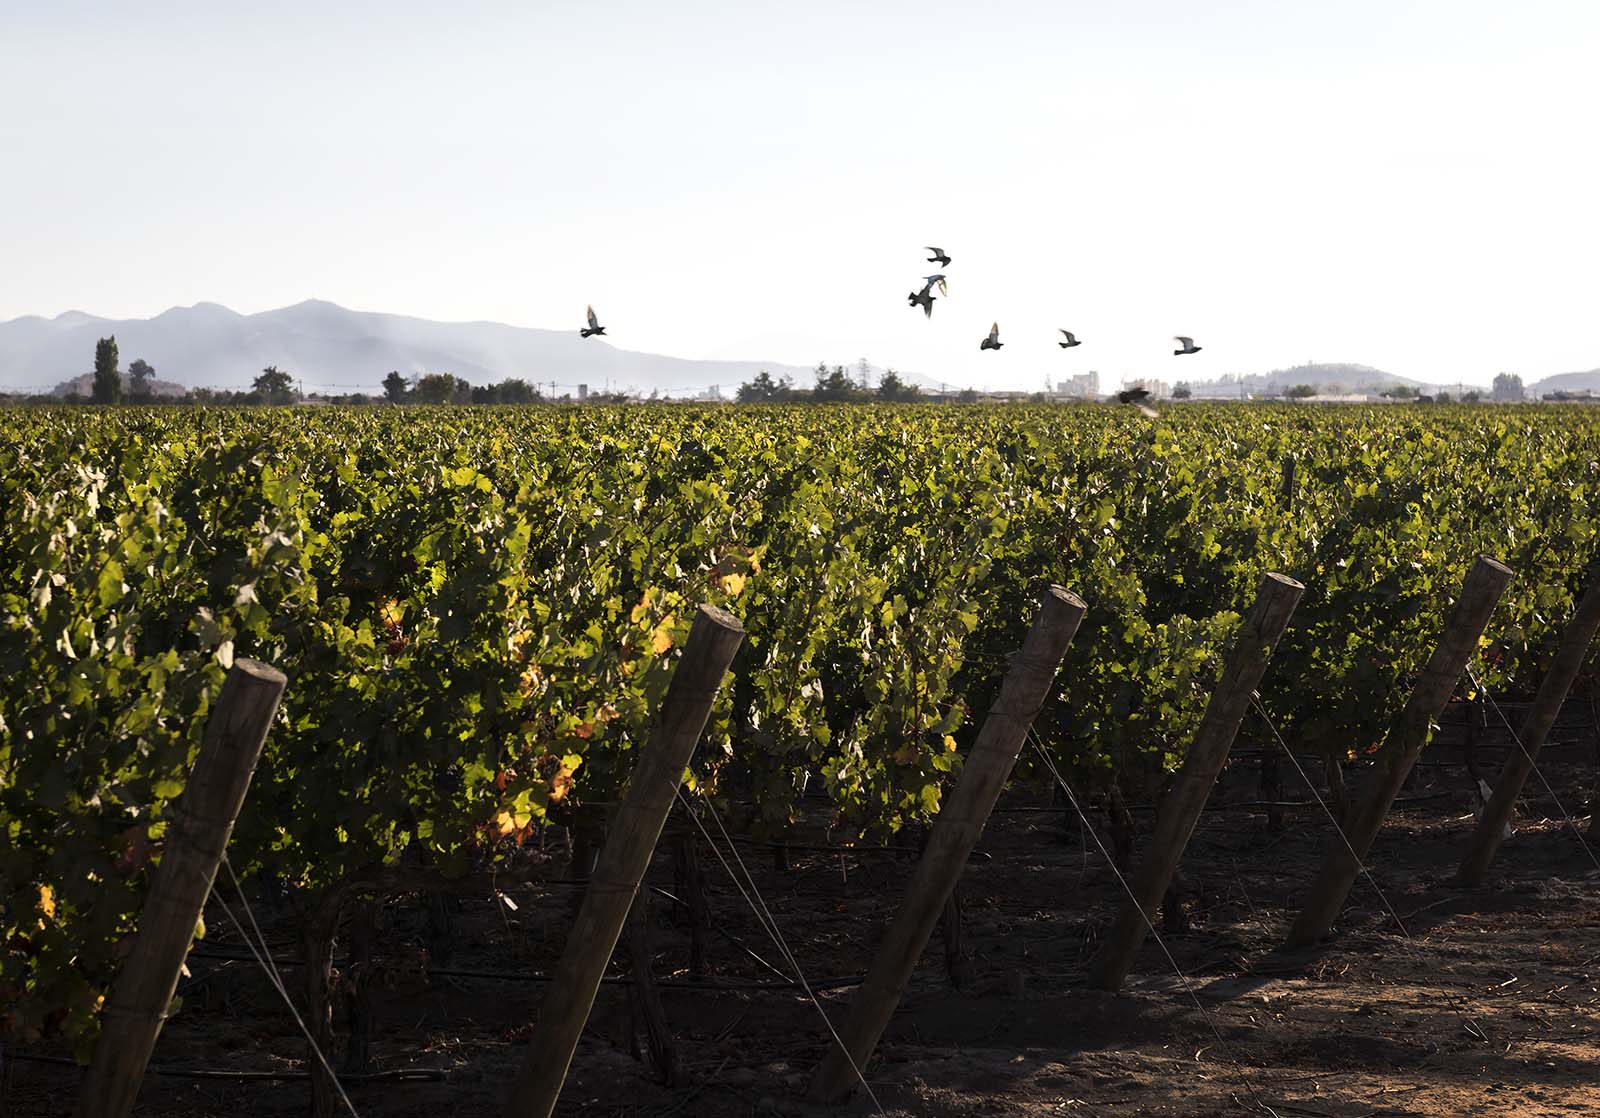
pixel 1181 807
pixel 630 841
pixel 1485 583
pixel 1536 724
pixel 197 837
pixel 955 832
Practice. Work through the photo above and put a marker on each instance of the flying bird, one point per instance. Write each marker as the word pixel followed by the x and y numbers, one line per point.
pixel 938 257
pixel 993 340
pixel 1137 397
pixel 939 279
pixel 1070 342
pixel 923 299
pixel 1188 346
pixel 594 325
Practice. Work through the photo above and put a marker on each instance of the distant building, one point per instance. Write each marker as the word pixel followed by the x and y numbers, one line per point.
pixel 1158 388
pixel 1571 396
pixel 1079 386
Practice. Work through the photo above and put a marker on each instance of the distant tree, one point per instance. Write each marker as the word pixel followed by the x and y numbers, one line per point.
pixel 1508 388
pixel 107 378
pixel 140 374
pixel 891 386
pixel 1182 391
pixel 763 389
pixel 395 388
pixel 510 391
pixel 273 386
pixel 833 385
pixel 1442 398
pixel 1473 397
pixel 441 388
pixel 1401 392
pixel 1300 392
pixel 514 390
pixel 968 396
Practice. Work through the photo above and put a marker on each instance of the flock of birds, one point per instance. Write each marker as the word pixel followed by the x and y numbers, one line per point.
pixel 1137 397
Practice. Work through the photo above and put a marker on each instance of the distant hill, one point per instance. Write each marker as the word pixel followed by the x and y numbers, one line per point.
pixel 1336 377
pixel 335 349
pixel 1567 382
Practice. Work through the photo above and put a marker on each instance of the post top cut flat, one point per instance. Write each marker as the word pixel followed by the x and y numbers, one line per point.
pixel 1285 580
pixel 257 670
pixel 1487 561
pixel 721 618
pixel 1062 594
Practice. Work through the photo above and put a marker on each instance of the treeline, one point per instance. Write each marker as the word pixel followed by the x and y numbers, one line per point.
pixel 832 386
pixel 109 384
pixel 446 388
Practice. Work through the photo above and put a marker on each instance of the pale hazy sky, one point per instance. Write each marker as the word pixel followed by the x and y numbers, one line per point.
pixel 1413 185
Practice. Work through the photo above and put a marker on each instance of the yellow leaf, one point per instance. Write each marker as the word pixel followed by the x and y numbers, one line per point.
pixel 585 730
pixel 47 900
pixel 561 783
pixel 733 584
pixel 512 821
pixel 949 744
pixel 661 639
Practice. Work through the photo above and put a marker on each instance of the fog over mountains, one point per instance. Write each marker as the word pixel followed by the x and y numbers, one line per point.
pixel 331 348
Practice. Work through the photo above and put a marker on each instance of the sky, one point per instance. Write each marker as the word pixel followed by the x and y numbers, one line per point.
pixel 1409 185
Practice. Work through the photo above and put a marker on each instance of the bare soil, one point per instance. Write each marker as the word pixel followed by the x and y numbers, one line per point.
pixel 1488 1006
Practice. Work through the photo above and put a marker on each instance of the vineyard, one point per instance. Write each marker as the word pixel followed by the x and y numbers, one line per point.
pixel 480 612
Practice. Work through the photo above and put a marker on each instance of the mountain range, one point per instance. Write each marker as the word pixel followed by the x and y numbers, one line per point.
pixel 331 348
pixel 1345 377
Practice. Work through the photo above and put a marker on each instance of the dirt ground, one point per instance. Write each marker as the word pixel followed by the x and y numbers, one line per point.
pixel 1488 1008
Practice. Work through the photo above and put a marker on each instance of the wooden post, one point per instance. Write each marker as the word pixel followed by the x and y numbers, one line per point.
pixel 1536 724
pixel 631 840
pixel 646 997
pixel 955 832
pixel 1485 583
pixel 690 882
pixel 957 966
pixel 197 836
pixel 1180 809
